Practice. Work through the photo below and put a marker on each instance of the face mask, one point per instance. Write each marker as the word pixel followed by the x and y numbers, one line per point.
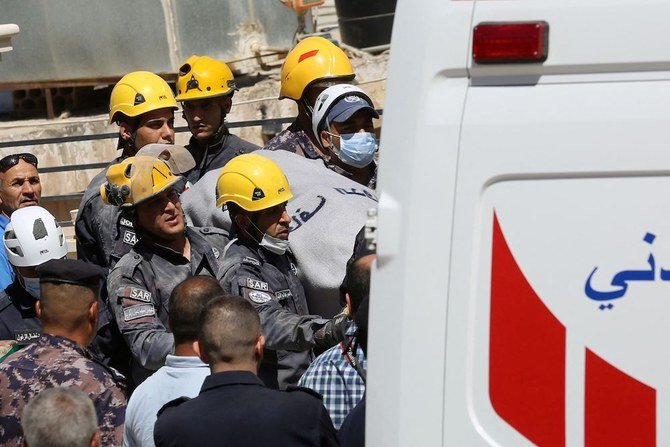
pixel 32 286
pixel 273 244
pixel 357 149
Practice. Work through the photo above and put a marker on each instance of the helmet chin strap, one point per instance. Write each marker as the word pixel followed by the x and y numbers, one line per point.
pixel 130 144
pixel 309 110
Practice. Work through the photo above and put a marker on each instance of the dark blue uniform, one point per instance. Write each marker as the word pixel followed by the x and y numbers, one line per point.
pixel 18 321
pixel 235 409
pixel 103 235
pixel 215 155
pixel 270 282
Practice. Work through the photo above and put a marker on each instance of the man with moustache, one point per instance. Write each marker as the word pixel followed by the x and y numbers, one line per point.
pixel 19 187
pixel 167 252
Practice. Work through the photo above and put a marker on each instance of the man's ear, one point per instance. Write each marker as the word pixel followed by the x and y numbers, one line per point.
pixel 227 104
pixel 259 348
pixel 125 130
pixel 93 312
pixel 242 220
pixel 95 440
pixel 325 139
pixel 201 353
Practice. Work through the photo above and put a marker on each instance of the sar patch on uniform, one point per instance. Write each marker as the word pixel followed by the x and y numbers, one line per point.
pixel 258 285
pixel 259 297
pixel 250 260
pixel 138 311
pixel 129 237
pixel 135 294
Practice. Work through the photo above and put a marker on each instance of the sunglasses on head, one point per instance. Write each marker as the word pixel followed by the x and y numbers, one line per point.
pixel 12 160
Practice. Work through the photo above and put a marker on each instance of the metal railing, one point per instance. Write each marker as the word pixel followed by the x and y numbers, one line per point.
pixel 104 136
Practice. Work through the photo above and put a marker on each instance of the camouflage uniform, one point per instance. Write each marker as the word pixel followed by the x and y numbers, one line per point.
pixel 103 236
pixel 57 361
pixel 294 139
pixel 271 285
pixel 139 288
pixel 215 155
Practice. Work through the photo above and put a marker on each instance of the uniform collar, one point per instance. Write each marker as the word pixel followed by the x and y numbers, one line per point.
pixel 56 341
pixel 165 251
pixel 303 139
pixel 217 380
pixel 181 361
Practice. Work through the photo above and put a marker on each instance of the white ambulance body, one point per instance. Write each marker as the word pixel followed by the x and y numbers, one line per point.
pixel 522 293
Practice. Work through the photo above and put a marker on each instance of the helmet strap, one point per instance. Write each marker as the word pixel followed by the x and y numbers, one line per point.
pixel 251 222
pixel 309 110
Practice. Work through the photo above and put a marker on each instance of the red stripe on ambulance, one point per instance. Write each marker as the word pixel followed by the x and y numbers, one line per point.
pixel 527 353
pixel 619 409
pixel 527 370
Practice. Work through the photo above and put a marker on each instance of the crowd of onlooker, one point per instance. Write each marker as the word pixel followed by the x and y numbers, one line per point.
pixel 170 334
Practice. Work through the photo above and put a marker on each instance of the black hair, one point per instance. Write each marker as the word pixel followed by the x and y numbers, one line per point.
pixel 187 302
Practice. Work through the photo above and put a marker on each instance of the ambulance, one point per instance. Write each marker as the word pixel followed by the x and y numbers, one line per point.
pixel 522 289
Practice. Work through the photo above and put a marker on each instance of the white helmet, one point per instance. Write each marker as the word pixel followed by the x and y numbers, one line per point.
pixel 32 237
pixel 330 97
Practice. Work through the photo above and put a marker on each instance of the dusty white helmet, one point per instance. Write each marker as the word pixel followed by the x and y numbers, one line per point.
pixel 32 237
pixel 353 99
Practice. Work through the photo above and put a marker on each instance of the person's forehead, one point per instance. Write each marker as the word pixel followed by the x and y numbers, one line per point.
pixel 159 114
pixel 21 170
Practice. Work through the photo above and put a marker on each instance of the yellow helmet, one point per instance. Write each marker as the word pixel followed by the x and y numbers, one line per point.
pixel 202 77
pixel 140 92
pixel 136 179
pixel 253 183
pixel 312 59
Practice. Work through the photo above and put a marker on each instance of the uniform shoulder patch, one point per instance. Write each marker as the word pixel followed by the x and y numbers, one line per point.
pixel 129 237
pixel 259 297
pixel 293 389
pixel 26 336
pixel 135 293
pixel 125 222
pixel 283 294
pixel 131 313
pixel 250 260
pixel 257 284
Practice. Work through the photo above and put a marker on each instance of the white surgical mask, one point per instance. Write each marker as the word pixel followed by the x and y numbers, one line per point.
pixel 273 244
pixel 32 286
pixel 356 149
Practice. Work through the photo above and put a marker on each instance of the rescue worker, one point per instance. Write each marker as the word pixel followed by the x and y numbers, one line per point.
pixel 68 309
pixel 167 252
pixel 143 106
pixel 259 266
pixel 19 187
pixel 205 87
pixel 342 120
pixel 31 238
pixel 314 64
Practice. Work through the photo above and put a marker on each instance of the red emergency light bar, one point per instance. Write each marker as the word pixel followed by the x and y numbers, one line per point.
pixel 504 43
